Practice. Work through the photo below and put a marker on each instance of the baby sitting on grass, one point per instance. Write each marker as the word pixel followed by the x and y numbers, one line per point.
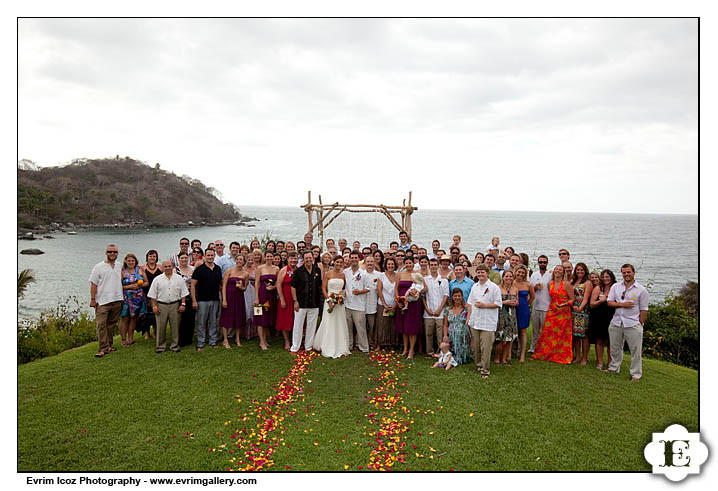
pixel 446 360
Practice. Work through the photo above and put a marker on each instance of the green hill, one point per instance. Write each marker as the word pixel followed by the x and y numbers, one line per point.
pixel 114 190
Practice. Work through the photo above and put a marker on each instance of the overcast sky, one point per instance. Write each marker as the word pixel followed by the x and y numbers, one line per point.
pixel 493 114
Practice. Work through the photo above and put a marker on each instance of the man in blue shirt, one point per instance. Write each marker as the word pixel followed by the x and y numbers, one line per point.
pixel 404 241
pixel 461 282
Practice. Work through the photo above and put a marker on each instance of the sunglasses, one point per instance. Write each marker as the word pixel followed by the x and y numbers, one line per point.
pixel 563 253
pixel 184 243
pixel 113 252
pixel 543 262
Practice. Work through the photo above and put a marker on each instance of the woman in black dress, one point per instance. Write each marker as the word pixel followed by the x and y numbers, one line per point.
pixel 151 270
pixel 600 317
pixel 187 320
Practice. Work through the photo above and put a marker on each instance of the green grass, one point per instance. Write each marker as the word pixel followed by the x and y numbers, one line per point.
pixel 135 408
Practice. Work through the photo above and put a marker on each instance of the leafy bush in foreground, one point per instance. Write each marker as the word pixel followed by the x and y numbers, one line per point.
pixel 671 333
pixel 60 329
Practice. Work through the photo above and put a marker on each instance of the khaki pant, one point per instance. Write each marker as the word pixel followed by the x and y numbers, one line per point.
pixel 634 338
pixel 371 329
pixel 167 312
pixel 538 317
pixel 106 317
pixel 483 343
pixel 433 328
pixel 357 318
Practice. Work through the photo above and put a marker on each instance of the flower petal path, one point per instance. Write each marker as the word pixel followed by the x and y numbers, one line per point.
pixel 262 426
pixel 391 418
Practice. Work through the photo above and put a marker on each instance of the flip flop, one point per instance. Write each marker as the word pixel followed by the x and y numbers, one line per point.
pixel 99 354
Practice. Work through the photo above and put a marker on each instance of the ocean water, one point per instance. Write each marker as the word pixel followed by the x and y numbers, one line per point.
pixel 663 248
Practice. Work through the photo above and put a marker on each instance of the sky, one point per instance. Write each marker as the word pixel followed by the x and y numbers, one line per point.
pixel 594 115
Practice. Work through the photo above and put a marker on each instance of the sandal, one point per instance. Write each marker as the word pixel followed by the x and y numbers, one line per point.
pixel 99 354
pixel 111 349
pixel 484 376
pixel 226 346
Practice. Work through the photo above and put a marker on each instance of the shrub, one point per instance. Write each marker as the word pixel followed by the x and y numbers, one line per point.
pixel 689 297
pixel 57 330
pixel 671 333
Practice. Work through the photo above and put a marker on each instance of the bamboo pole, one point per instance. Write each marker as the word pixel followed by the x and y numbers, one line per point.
pixel 321 223
pixel 335 216
pixel 324 219
pixel 324 207
pixel 409 211
pixel 309 211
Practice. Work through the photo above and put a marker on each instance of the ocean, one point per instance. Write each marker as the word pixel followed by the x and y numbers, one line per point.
pixel 663 248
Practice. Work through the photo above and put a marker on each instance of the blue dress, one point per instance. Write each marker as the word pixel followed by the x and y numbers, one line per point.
pixel 523 312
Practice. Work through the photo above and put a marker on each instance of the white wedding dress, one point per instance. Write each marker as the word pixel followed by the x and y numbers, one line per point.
pixel 332 337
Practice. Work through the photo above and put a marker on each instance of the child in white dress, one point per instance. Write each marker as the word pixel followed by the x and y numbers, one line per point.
pixel 446 360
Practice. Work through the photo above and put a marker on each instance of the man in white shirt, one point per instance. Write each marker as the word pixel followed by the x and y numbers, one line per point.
pixel 630 300
pixel 371 279
pixel 485 302
pixel 168 294
pixel 437 294
pixel 355 303
pixel 540 281
pixel 106 298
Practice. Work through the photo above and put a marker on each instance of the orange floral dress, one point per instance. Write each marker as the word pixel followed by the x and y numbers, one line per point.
pixel 554 343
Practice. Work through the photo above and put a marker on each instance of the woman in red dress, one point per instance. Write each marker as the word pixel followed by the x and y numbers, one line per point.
pixel 285 312
pixel 554 343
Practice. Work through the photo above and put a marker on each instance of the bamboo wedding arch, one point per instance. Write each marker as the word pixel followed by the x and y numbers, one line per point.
pixel 324 217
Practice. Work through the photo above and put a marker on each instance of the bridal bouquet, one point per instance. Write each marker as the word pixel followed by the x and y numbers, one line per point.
pixel 400 301
pixel 334 299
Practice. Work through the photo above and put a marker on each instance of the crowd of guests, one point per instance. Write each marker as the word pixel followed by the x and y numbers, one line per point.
pixel 336 299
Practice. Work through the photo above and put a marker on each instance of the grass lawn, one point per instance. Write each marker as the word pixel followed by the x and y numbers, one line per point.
pixel 137 410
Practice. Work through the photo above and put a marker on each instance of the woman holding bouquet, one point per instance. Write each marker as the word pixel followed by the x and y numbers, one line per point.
pixel 332 337
pixel 265 286
pixel 386 335
pixel 133 303
pixel 233 314
pixel 285 312
pixel 554 343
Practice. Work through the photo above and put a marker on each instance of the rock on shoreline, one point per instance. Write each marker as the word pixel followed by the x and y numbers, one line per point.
pixel 55 228
pixel 33 252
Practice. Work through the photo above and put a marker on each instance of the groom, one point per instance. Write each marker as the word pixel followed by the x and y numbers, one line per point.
pixel 356 289
pixel 307 296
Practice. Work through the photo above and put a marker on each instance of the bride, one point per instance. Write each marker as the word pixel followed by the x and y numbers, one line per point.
pixel 332 337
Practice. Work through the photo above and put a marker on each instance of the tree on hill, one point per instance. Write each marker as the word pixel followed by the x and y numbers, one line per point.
pixel 98 191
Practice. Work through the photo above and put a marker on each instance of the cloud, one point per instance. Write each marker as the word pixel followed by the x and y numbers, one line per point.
pixel 275 93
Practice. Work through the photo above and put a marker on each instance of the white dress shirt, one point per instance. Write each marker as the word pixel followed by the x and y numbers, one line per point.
pixel 436 290
pixel 108 281
pixel 355 281
pixel 484 319
pixel 371 280
pixel 543 297
pixel 628 316
pixel 168 290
